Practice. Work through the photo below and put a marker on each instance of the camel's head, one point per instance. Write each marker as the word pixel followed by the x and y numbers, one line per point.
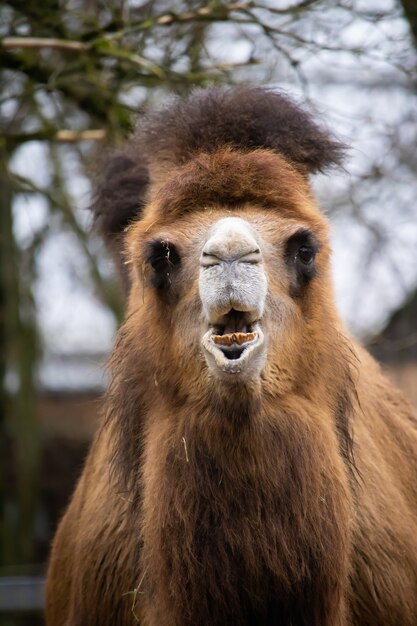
pixel 228 257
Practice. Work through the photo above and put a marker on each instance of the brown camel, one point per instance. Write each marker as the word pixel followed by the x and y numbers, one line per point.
pixel 254 467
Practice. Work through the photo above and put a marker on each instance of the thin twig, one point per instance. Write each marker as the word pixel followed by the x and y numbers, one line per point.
pixel 135 595
pixel 9 43
pixel 186 451
pixel 81 135
pixel 102 48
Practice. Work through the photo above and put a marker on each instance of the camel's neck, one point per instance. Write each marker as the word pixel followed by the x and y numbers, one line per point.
pixel 216 511
pixel 243 494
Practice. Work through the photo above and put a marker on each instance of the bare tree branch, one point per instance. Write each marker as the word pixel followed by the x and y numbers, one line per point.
pixel 9 43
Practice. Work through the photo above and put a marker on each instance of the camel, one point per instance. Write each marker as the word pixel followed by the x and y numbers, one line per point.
pixel 253 467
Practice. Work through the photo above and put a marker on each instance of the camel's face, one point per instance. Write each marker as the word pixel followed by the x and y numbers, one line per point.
pixel 231 292
pixel 230 287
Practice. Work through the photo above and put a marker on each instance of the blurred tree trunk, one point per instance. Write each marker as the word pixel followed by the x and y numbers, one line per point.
pixel 19 428
pixel 410 13
pixel 6 529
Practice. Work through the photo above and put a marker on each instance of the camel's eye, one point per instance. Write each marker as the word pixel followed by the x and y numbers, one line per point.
pixel 163 258
pixel 306 254
pixel 301 251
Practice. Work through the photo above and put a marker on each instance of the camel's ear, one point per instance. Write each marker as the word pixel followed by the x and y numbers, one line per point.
pixel 119 195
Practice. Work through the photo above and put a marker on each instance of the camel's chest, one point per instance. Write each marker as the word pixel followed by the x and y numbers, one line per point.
pixel 228 555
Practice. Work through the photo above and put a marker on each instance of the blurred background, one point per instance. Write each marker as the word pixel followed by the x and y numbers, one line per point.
pixel 75 76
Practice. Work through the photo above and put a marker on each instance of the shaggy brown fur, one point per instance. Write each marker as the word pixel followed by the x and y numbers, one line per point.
pixel 122 182
pixel 243 504
pixel 241 117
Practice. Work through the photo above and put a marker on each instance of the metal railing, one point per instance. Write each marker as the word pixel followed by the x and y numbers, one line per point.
pixel 21 593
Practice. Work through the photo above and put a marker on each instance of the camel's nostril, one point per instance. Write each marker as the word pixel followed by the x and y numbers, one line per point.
pixel 209 260
pixel 252 256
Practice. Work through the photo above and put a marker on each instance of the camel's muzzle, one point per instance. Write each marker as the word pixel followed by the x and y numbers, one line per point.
pixel 233 287
pixel 233 353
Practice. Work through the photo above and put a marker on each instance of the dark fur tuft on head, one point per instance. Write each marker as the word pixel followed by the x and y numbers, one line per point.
pixel 241 117
pixel 120 190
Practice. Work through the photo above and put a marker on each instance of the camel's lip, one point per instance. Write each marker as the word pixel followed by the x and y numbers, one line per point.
pixel 232 353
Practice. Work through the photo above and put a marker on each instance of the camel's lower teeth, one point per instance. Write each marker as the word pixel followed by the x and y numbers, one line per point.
pixel 233 338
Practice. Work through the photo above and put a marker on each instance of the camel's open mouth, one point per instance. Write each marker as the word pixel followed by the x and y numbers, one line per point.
pixel 232 341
